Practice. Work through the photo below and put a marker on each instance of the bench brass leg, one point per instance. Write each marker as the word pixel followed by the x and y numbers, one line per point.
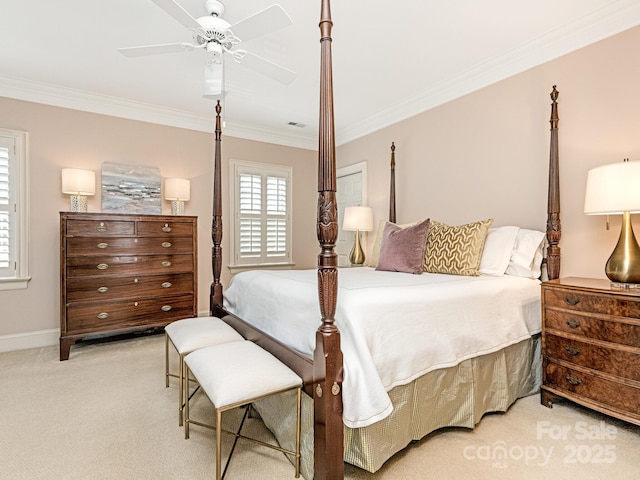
pixel 166 360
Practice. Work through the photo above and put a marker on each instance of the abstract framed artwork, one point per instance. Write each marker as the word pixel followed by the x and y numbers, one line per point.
pixel 131 189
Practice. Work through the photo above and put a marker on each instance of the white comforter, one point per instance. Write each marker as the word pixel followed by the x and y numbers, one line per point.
pixel 394 327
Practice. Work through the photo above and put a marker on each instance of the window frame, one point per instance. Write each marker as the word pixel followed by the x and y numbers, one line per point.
pixel 238 167
pixel 17 276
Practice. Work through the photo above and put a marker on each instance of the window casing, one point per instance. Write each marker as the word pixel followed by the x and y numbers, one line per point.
pixel 261 233
pixel 14 272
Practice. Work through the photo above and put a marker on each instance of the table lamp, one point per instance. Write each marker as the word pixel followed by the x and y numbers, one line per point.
pixel 178 191
pixel 615 189
pixel 78 183
pixel 357 219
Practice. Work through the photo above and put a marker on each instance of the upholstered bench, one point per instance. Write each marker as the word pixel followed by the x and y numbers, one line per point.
pixel 236 374
pixel 191 334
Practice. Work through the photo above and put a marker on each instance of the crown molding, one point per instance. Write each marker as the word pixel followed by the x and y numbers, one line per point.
pixel 47 94
pixel 600 24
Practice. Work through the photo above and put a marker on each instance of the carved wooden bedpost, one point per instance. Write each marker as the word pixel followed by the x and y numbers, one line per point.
pixel 215 296
pixel 554 229
pixel 328 430
pixel 392 187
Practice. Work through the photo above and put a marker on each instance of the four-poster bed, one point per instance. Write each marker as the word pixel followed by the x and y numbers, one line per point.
pixel 323 371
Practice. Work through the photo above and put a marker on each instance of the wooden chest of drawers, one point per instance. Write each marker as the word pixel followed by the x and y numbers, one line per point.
pixel 122 273
pixel 591 346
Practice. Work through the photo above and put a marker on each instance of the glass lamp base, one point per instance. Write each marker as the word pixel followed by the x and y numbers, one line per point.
pixel 177 207
pixel 78 203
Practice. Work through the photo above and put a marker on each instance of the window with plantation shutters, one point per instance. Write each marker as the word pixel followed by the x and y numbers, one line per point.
pixel 13 206
pixel 262 200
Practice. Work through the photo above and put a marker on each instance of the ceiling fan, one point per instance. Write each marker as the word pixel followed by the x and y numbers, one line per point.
pixel 216 36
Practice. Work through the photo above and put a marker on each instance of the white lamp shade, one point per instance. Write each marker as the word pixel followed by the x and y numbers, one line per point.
pixel 358 218
pixel 613 188
pixel 78 182
pixel 177 189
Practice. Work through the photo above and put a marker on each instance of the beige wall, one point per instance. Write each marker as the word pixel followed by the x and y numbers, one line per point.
pixel 483 155
pixel 486 155
pixel 61 138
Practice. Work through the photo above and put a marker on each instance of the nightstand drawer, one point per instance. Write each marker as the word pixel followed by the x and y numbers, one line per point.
pixel 619 361
pixel 624 332
pixel 591 303
pixel 622 397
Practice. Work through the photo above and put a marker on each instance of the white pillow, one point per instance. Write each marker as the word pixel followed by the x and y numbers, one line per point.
pixel 527 254
pixel 497 250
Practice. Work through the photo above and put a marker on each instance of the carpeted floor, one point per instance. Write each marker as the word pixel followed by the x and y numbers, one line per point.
pixel 106 414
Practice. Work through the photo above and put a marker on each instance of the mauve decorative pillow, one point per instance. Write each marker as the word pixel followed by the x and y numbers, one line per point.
pixel 402 249
pixel 375 253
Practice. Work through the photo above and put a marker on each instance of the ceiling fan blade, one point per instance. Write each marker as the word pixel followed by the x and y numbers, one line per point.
pixel 157 49
pixel 268 68
pixel 266 21
pixel 180 14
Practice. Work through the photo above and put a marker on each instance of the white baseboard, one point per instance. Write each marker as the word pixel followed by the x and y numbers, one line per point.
pixel 41 338
pixel 22 341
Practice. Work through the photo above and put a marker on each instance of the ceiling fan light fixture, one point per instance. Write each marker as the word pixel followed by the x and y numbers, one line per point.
pixel 213 80
pixel 215 49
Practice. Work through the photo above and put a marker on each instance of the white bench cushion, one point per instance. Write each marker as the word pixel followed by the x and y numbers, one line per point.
pixel 194 333
pixel 239 372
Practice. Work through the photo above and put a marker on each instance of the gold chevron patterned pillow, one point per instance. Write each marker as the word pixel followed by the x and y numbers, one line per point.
pixel 456 250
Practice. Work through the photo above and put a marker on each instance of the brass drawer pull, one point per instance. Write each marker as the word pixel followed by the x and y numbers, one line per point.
pixel 573 380
pixel 166 285
pixel 102 227
pixel 571 323
pixel 166 228
pixel 572 301
pixel 102 266
pixel 103 245
pixel 572 350
pixel 166 263
pixel 165 308
pixel 166 244
pixel 102 315
pixel 103 289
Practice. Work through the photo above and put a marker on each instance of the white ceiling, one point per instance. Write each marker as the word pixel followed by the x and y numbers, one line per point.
pixel 391 60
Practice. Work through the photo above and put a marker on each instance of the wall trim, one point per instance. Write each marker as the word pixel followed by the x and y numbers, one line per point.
pixel 23 341
pixel 47 94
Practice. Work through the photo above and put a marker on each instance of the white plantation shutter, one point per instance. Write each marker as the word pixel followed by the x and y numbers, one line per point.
pixel 6 249
pixel 262 233
pixel 276 216
pixel 250 234
pixel 13 207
